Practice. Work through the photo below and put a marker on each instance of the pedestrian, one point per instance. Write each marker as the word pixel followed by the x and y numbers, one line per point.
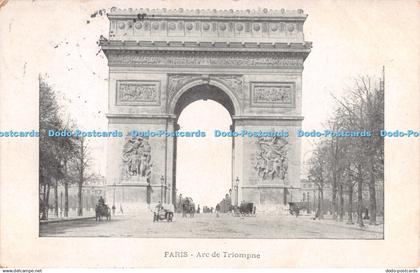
pixel 184 210
pixel 158 206
pixel 121 209
pixel 101 201
pixel 217 210
pixel 366 217
pixel 198 208
pixel 113 209
pixel 169 211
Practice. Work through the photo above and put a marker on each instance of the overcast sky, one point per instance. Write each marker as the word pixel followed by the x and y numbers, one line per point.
pixel 348 40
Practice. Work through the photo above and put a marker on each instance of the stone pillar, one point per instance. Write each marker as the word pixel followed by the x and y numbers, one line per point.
pixel 131 183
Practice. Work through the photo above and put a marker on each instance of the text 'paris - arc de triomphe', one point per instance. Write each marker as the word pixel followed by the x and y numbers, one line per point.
pixel 250 61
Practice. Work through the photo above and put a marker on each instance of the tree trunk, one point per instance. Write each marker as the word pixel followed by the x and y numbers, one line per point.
pixel 66 198
pixel 79 200
pixel 81 178
pixel 47 201
pixel 44 215
pixel 350 212
pixel 360 199
pixel 372 196
pixel 318 206
pixel 341 203
pixel 334 196
pixel 56 198
pixel 321 201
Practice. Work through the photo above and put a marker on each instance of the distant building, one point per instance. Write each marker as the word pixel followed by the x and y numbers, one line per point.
pixel 91 191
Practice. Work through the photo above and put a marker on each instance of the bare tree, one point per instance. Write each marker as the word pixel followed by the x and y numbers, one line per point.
pixel 57 154
pixel 81 162
pixel 335 158
pixel 318 174
pixel 363 110
pixel 50 169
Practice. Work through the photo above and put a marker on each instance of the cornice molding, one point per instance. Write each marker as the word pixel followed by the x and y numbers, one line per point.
pixel 262 12
pixel 140 116
pixel 206 46
pixel 208 25
pixel 243 117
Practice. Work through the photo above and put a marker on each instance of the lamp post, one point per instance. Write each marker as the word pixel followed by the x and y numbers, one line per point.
pixel 122 200
pixel 308 197
pixel 113 196
pixel 291 194
pixel 314 200
pixel 166 189
pixel 237 191
pixel 61 204
pixel 169 194
pixel 162 179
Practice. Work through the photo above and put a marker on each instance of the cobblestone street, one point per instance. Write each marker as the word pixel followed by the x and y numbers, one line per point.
pixel 210 226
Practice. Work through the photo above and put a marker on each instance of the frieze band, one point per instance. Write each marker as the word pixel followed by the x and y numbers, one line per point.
pixel 202 59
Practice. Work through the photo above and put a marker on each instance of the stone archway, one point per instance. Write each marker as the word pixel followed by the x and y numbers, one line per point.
pixel 251 61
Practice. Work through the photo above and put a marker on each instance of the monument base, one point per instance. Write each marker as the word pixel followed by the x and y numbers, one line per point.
pixel 134 198
pixel 271 200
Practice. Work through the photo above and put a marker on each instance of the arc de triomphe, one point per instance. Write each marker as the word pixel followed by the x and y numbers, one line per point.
pixel 161 60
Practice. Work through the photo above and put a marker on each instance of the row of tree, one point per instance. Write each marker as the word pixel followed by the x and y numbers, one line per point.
pixel 62 160
pixel 352 163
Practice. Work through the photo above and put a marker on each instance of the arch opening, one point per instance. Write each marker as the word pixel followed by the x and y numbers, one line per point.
pixel 203 166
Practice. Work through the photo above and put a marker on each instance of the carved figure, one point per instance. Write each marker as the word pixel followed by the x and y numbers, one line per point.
pixel 271 159
pixel 137 157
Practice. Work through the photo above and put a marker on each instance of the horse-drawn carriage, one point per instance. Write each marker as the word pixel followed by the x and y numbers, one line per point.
pixel 102 210
pixel 296 207
pixel 245 209
pixel 163 212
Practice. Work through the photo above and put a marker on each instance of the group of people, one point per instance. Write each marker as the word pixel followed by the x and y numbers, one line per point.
pixel 166 207
pixel 163 211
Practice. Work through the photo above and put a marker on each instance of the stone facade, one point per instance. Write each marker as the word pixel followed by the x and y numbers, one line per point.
pixel 162 60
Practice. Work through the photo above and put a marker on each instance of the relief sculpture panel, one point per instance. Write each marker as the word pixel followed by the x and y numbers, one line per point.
pixel 234 82
pixel 136 157
pixel 271 158
pixel 138 93
pixel 272 94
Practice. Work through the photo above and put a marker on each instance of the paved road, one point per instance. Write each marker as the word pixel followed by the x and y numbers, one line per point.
pixel 210 226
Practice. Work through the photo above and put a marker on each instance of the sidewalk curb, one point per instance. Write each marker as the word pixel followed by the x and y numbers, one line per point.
pixel 347 226
pixel 60 220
